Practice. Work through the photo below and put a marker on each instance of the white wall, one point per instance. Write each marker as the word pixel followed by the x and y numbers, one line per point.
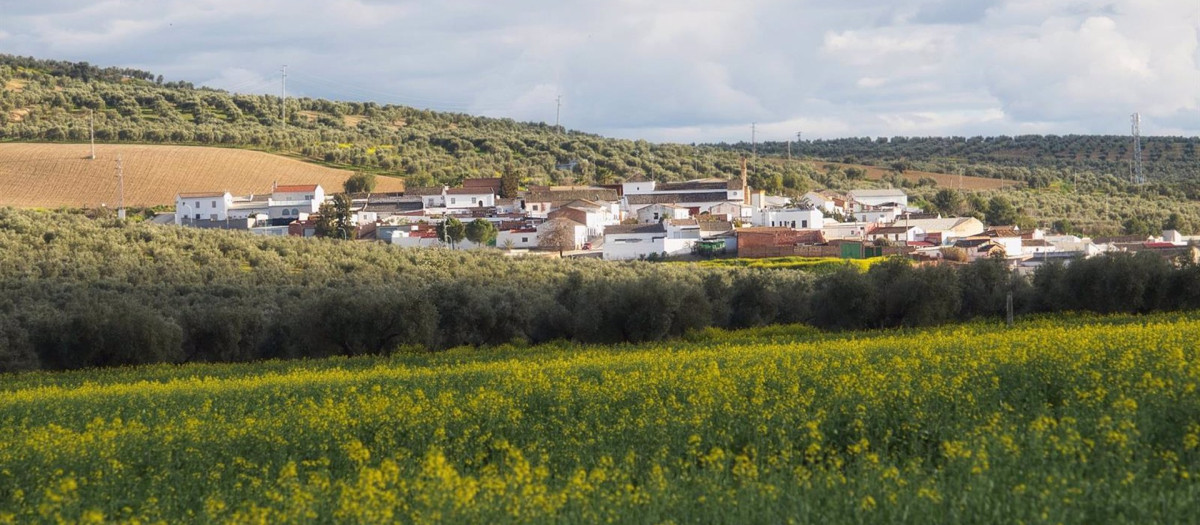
pixel 790 218
pixel 626 246
pixel 520 239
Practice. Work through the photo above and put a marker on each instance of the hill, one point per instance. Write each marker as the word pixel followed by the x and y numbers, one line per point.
pixel 53 175
pixel 1055 180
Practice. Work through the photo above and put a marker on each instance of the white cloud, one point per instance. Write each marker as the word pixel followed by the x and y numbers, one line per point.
pixel 683 70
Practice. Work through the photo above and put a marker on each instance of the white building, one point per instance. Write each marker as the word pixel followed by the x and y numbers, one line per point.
pixel 882 214
pixel 638 241
pixel 579 231
pixel 520 238
pixel 295 202
pixel 878 197
pixel 897 234
pixel 794 218
pixel 211 206
pixel 460 198
pixel 656 213
pixel 827 201
pixel 846 230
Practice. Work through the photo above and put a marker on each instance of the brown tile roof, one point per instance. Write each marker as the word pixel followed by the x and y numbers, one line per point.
pixel 492 182
pixel 684 222
pixel 890 230
pixel 470 191
pixel 704 184
pixel 568 195
pixel 296 188
pixel 673 198
pixel 424 190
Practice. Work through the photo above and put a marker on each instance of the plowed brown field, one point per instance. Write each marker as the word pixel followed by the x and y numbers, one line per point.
pixel 54 175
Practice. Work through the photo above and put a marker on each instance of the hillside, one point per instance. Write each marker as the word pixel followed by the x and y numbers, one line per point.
pixel 53 175
pixel 1077 179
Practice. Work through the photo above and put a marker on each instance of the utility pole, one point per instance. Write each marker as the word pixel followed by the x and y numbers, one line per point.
pixel 789 144
pixel 283 94
pixel 120 190
pixel 92 131
pixel 1136 128
pixel 753 138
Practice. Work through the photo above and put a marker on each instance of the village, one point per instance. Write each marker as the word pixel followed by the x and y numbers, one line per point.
pixel 642 219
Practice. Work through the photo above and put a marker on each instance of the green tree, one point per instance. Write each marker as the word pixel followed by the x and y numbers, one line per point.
pixel 360 183
pixel 509 182
pixel 452 231
pixel 334 218
pixel 1000 211
pixel 948 202
pixel 481 232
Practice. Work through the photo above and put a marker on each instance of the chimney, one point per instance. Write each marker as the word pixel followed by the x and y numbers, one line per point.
pixel 745 186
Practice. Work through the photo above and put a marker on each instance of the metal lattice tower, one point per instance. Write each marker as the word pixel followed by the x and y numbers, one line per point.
pixel 1136 128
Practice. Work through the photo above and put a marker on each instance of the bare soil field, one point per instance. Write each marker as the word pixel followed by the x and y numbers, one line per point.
pixel 944 180
pixel 55 175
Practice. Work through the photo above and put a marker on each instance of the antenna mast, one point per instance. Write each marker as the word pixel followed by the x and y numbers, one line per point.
pixel 120 190
pixel 557 110
pixel 283 94
pixel 1136 127
pixel 92 131
pixel 753 139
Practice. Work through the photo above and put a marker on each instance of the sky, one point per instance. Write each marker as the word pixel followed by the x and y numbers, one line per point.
pixel 672 70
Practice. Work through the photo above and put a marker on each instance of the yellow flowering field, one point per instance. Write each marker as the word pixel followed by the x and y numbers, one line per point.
pixel 1074 419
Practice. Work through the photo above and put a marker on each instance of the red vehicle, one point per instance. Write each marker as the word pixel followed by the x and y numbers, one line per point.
pixel 587 245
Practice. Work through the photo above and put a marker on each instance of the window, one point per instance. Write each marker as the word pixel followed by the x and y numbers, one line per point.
pixel 214 204
pixel 430 202
pixel 535 207
pixel 803 224
pixel 285 212
pixel 451 200
pixel 524 239
pixel 197 216
pixel 473 199
pixel 296 212
pixel 197 205
pixel 793 224
pixel 308 197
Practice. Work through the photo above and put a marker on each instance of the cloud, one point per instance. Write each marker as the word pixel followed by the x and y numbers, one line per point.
pixel 698 70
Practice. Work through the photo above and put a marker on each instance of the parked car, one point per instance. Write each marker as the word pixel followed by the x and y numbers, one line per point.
pixel 587 245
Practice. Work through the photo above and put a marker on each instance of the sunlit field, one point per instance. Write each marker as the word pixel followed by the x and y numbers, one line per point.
pixel 1067 419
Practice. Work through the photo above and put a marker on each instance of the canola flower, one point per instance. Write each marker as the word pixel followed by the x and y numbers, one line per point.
pixel 1076 419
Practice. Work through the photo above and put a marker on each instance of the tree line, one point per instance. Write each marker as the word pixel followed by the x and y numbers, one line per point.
pixel 139 293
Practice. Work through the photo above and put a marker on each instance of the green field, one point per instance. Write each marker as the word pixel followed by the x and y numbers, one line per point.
pixel 1074 419
pixel 814 264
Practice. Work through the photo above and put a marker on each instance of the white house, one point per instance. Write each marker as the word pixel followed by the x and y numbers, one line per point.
pixel 295 202
pixel 794 218
pixel 211 206
pixel 878 197
pixel 637 241
pixel 905 234
pixel 826 201
pixel 518 238
pixel 594 215
pixel 883 214
pixel 656 213
pixel 946 230
pixel 459 198
pixel 732 211
pixel 846 230
pixel 633 241
pixel 578 230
